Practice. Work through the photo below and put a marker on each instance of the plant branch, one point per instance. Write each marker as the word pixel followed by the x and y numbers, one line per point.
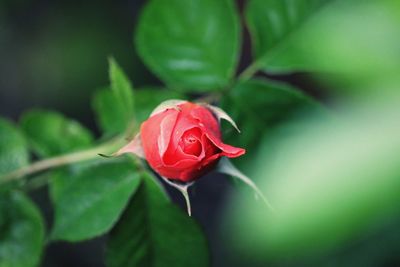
pixel 249 71
pixel 61 160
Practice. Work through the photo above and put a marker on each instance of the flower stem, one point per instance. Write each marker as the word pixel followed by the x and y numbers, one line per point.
pixel 249 72
pixel 61 160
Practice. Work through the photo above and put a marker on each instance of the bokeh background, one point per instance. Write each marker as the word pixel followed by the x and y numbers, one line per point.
pixel 54 56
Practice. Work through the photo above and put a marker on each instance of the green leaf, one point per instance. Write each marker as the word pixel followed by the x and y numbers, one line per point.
pixel 89 200
pixel 13 148
pixel 22 231
pixel 149 98
pixel 122 88
pixel 109 112
pixel 326 36
pixel 191 45
pixel 273 23
pixel 155 233
pixel 259 105
pixel 114 105
pixel 50 133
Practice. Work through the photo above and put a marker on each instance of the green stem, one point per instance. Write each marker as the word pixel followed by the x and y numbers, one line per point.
pixel 249 72
pixel 62 160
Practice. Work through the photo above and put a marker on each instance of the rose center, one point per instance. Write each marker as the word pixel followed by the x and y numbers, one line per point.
pixel 190 139
pixel 191 145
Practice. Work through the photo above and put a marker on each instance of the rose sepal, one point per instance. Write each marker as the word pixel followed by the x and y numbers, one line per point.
pixel 221 115
pixel 184 189
pixel 225 166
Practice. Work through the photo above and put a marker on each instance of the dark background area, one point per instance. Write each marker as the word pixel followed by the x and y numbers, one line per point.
pixel 54 53
pixel 54 56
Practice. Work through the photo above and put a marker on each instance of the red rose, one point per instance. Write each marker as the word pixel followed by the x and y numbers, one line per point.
pixel 182 141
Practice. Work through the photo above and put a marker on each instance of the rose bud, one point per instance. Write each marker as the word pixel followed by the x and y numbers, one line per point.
pixel 182 140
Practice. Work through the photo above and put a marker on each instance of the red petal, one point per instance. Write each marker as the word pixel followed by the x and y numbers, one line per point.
pixel 183 124
pixel 191 142
pixel 166 129
pixel 180 169
pixel 226 150
pixel 150 132
pixel 172 157
pixel 206 119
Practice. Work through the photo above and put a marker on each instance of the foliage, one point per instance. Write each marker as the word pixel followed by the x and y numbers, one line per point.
pixel 330 173
pixel 155 237
pixel 22 227
pixel 14 152
pixel 190 44
pixel 44 128
pixel 88 200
